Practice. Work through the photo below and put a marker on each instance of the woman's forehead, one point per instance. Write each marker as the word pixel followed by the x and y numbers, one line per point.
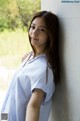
pixel 39 21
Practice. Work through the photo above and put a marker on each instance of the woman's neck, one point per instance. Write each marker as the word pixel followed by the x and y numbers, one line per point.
pixel 40 52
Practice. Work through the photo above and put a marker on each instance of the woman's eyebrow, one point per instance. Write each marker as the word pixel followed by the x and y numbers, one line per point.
pixel 39 26
pixel 33 24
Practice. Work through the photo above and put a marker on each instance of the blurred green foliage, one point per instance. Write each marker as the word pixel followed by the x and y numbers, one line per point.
pixel 17 13
pixel 13 46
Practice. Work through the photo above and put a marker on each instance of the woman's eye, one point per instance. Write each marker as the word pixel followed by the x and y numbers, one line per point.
pixel 42 30
pixel 32 27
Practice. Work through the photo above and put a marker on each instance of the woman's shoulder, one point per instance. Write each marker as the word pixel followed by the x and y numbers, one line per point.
pixel 26 55
pixel 40 62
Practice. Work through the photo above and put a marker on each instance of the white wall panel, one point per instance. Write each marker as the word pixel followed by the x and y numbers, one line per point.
pixel 66 102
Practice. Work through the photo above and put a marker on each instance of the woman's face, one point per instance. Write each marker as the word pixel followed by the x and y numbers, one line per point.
pixel 38 33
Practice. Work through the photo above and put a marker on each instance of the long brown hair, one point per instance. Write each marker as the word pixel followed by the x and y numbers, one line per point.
pixel 52 46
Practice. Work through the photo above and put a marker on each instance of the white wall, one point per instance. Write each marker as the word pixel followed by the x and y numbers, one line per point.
pixel 66 102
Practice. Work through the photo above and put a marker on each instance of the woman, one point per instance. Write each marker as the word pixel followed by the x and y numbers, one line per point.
pixel 29 96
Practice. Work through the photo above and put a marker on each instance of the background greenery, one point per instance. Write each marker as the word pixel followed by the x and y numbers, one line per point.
pixel 15 16
pixel 17 13
pixel 13 45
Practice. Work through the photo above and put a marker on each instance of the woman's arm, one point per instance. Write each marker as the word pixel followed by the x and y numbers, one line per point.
pixel 33 108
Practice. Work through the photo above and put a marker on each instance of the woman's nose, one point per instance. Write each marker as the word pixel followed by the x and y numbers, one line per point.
pixel 36 32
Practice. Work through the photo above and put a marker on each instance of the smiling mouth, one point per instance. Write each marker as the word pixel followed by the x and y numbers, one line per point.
pixel 34 39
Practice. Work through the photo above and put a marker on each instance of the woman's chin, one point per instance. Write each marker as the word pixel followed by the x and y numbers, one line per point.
pixel 34 43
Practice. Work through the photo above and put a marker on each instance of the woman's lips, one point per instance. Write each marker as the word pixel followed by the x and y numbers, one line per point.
pixel 34 38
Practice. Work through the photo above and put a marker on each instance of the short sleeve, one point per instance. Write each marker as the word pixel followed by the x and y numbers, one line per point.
pixel 36 70
pixel 38 80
